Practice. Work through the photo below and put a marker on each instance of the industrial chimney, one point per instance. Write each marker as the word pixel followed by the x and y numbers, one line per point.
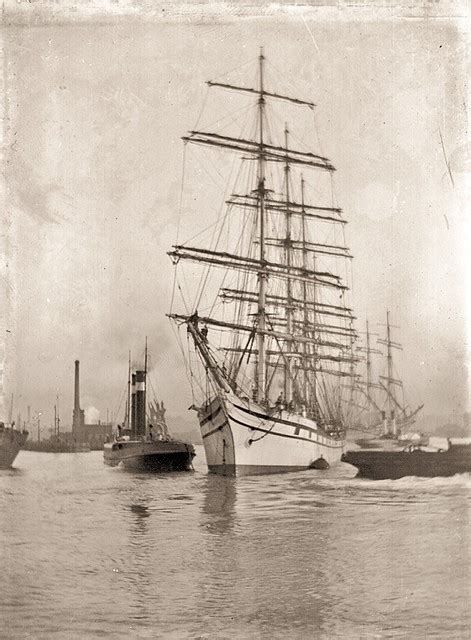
pixel 78 416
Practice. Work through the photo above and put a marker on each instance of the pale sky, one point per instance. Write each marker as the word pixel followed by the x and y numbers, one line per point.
pixel 96 110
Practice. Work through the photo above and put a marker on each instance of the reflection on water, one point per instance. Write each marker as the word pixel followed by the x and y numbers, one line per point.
pixel 89 551
pixel 218 506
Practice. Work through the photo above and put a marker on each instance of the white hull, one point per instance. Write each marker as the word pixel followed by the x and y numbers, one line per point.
pixel 241 438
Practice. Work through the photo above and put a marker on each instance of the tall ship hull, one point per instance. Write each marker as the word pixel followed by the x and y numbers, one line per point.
pixel 241 438
pixel 11 441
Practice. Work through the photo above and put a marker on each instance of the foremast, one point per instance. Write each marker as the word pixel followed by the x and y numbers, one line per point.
pixel 368 386
pixel 260 367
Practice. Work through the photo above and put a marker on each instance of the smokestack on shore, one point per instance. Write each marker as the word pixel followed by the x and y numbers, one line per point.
pixel 78 416
pixel 140 403
pixel 77 386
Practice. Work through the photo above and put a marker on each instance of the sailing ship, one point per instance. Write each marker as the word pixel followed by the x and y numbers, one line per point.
pixel 382 407
pixel 11 441
pixel 143 445
pixel 270 372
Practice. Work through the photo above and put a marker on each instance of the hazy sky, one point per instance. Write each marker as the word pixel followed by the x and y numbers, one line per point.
pixel 95 113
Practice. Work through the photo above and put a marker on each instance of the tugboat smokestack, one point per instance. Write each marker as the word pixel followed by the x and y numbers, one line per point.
pixel 141 403
pixel 133 404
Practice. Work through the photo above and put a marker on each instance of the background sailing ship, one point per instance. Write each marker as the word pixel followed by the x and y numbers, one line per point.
pixel 271 323
pixel 379 399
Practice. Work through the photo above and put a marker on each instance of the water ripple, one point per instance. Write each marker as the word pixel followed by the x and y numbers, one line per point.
pixel 91 552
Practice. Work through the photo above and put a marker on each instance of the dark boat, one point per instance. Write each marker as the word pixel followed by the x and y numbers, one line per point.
pixel 146 445
pixel 414 460
pixel 11 441
pixel 147 455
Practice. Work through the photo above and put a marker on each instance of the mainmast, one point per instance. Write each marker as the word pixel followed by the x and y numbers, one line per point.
pixel 392 402
pixel 306 311
pixel 368 360
pixel 288 382
pixel 260 367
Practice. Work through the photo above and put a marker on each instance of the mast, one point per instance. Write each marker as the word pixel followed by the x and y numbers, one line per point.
pixel 58 416
pixel 306 313
pixel 368 361
pixel 392 402
pixel 10 415
pixel 260 368
pixel 288 382
pixel 390 367
pixel 144 399
pixel 128 398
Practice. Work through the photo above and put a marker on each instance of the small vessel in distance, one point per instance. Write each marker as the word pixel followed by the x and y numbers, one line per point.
pixel 143 445
pixel 268 375
pixel 11 441
pixel 413 460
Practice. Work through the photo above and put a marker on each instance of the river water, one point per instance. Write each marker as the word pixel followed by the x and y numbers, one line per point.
pixel 89 551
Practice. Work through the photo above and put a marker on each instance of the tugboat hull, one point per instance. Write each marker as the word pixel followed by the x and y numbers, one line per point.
pixel 159 456
pixel 415 461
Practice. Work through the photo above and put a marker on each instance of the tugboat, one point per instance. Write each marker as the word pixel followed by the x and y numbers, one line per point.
pixel 144 446
pixel 414 460
pixel 11 441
